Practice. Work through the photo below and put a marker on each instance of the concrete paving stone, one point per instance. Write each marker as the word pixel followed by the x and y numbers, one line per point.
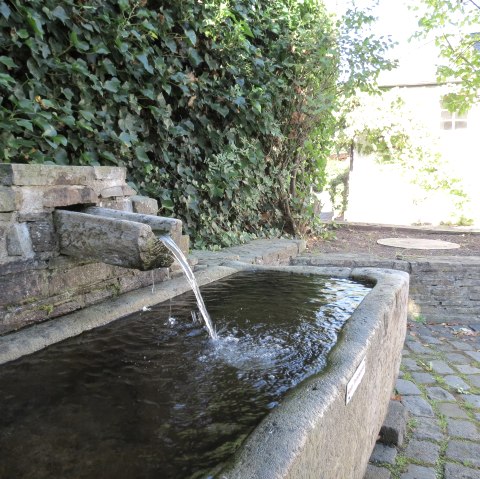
pixel 452 410
pixel 441 367
pixel 410 364
pixel 383 454
pixel 407 388
pixel 473 399
pixel 474 380
pixel 456 471
pixel 464 451
pixel 463 429
pixel 394 426
pixel 419 472
pixel 460 345
pixel 418 348
pixel 417 406
pixel 375 472
pixel 456 382
pixel 429 339
pixel 467 369
pixel 427 428
pixel 457 358
pixel 424 451
pixel 423 378
pixel 474 354
pixel 439 394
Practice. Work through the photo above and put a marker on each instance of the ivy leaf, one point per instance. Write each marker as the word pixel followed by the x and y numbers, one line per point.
pixel 125 138
pixel 8 62
pixel 6 80
pixel 112 85
pixel 36 24
pixel 171 44
pixel 142 154
pixel 83 46
pixel 191 36
pixel 143 59
pixel 59 12
pixel 88 115
pixel 5 10
pixel 26 124
pixel 194 57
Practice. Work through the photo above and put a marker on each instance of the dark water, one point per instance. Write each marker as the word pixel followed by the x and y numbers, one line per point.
pixel 149 396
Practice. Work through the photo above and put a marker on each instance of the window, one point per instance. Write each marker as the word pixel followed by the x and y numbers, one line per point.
pixel 452 121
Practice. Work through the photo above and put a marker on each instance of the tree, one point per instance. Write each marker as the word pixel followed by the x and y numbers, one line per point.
pixel 455 25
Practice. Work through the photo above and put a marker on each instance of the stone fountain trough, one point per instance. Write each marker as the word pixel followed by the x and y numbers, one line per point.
pixel 326 426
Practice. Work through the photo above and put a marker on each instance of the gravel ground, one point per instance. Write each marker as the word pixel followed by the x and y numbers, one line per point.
pixel 359 238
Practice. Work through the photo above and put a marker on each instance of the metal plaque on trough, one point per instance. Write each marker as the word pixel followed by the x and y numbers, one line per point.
pixel 355 381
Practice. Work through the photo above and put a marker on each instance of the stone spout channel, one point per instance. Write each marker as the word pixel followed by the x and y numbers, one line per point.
pixel 115 237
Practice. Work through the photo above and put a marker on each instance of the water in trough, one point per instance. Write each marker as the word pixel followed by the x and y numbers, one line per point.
pixel 153 396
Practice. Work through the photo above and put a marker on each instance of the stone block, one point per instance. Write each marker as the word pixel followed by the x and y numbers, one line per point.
pixel 42 235
pixel 427 428
pixel 462 429
pixel 423 378
pixel 383 454
pixel 120 204
pixel 375 472
pixel 439 394
pixel 452 410
pixel 407 388
pixel 112 192
pixel 7 199
pixel 394 427
pixel 110 173
pixel 456 382
pixel 456 471
pixel 424 451
pixel 419 472
pixel 68 195
pixel 472 399
pixel 18 241
pixel 464 451
pixel 184 243
pixel 417 406
pixel 144 205
pixel 45 175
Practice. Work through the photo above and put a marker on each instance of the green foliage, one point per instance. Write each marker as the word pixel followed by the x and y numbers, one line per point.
pixel 222 110
pixel 382 126
pixel 455 27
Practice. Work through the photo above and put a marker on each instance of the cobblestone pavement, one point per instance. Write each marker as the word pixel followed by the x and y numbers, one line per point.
pixel 439 385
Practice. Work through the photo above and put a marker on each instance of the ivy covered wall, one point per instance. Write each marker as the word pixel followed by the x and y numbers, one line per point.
pixel 222 110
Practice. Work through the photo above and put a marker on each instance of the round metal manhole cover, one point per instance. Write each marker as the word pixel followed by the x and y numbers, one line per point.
pixel 417 243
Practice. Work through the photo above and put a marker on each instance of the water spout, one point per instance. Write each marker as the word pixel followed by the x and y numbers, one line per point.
pixel 182 260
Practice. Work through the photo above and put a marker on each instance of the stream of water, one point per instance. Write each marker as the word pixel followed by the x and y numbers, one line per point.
pixel 182 260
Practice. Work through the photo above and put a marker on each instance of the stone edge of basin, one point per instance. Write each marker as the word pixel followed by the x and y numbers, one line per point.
pixel 314 433
pixel 41 335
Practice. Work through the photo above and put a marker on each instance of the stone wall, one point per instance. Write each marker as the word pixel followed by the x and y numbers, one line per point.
pixel 442 289
pixel 36 281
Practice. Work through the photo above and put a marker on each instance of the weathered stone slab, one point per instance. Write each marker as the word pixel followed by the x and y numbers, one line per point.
pixel 110 240
pixel 7 199
pixel 427 428
pixel 68 195
pixel 457 471
pixel 419 472
pixel 462 429
pixel 45 175
pixel 406 388
pixel 144 205
pixel 383 454
pixel 439 394
pixel 424 451
pixel 18 241
pixel 418 406
pixel 465 452
pixel 375 472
